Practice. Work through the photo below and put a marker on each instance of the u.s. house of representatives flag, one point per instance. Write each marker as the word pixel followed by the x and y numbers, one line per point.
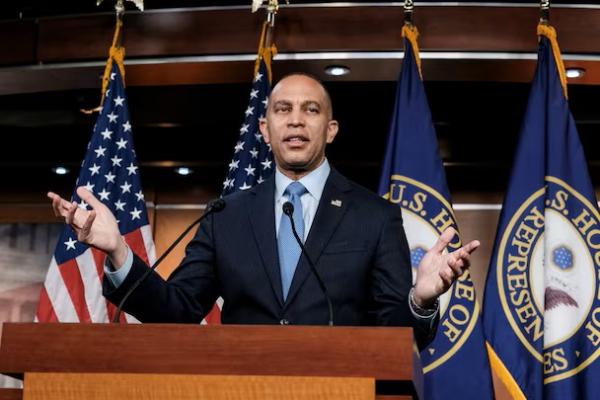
pixel 542 299
pixel 455 364
pixel 72 291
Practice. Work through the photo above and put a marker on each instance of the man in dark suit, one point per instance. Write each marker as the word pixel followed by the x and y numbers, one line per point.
pixel 246 253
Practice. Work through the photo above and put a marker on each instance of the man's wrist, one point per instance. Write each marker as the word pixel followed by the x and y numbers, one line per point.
pixel 119 255
pixel 117 274
pixel 419 306
pixel 422 302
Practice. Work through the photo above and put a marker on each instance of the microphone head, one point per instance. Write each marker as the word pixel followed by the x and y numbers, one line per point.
pixel 288 208
pixel 215 205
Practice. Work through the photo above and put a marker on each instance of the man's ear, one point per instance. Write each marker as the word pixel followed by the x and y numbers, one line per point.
pixel 264 130
pixel 332 130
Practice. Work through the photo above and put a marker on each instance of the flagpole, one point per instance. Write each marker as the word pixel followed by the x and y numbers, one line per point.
pixel 266 47
pixel 411 33
pixel 409 6
pixel 272 10
pixel 116 53
pixel 119 12
pixel 545 29
pixel 544 12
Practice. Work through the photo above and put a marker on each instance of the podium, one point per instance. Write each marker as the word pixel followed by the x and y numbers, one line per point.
pixel 154 361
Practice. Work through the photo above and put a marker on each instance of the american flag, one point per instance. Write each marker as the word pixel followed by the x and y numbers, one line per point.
pixel 72 291
pixel 252 160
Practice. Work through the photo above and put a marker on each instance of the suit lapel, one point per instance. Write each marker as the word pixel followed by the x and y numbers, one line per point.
pixel 332 207
pixel 262 219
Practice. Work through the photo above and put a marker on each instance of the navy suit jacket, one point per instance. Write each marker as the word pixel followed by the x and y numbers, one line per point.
pixel 356 242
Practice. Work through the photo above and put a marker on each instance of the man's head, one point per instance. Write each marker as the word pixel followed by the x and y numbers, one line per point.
pixel 298 124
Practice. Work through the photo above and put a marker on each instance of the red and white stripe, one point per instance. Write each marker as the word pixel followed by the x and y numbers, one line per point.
pixel 72 291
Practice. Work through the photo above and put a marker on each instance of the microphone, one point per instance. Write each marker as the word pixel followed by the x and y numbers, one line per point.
pixel 213 206
pixel 288 209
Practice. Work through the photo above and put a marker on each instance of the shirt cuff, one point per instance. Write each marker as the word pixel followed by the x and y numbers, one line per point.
pixel 117 277
pixel 421 313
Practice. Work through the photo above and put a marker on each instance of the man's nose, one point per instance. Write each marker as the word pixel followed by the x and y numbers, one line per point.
pixel 296 118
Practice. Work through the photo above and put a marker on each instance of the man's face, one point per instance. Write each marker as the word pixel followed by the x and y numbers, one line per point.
pixel 298 125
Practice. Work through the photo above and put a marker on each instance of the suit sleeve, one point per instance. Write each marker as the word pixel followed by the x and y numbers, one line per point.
pixel 186 297
pixel 392 279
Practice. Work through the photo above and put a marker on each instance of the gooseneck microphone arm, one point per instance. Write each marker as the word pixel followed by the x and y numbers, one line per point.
pixel 288 209
pixel 212 207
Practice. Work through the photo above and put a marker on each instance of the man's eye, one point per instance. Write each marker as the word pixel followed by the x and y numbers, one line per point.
pixel 282 109
pixel 313 110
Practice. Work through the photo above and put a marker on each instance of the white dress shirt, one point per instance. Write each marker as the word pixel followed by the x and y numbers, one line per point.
pixel 314 183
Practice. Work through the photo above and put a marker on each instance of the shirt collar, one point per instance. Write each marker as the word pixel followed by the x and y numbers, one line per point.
pixel 314 181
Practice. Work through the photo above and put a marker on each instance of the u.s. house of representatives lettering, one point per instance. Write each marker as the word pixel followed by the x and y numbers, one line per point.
pixel 548 271
pixel 426 214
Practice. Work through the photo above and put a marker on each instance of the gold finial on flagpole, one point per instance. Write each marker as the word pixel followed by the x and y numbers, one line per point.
pixel 544 11
pixel 120 6
pixel 409 6
pixel 272 8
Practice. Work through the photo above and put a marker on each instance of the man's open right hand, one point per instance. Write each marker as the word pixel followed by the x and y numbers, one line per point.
pixel 97 228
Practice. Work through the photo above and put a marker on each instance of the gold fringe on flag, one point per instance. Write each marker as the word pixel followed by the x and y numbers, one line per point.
pixel 411 33
pixel 505 376
pixel 550 33
pixel 116 54
pixel 265 52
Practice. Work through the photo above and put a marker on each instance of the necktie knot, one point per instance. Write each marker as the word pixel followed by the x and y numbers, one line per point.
pixel 295 189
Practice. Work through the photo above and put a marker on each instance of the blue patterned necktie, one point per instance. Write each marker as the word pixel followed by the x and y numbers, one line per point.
pixel 289 250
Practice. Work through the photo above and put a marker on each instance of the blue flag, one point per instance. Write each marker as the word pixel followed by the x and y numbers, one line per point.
pixel 455 363
pixel 542 298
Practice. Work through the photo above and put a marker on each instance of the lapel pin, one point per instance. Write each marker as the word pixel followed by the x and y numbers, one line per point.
pixel 337 203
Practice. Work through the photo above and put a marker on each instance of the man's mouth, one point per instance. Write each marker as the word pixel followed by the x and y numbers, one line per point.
pixel 296 139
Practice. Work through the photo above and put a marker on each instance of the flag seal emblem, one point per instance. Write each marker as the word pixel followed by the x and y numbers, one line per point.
pixel 548 276
pixel 426 214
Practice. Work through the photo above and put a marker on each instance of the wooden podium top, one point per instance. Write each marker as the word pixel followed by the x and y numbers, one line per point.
pixel 379 352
